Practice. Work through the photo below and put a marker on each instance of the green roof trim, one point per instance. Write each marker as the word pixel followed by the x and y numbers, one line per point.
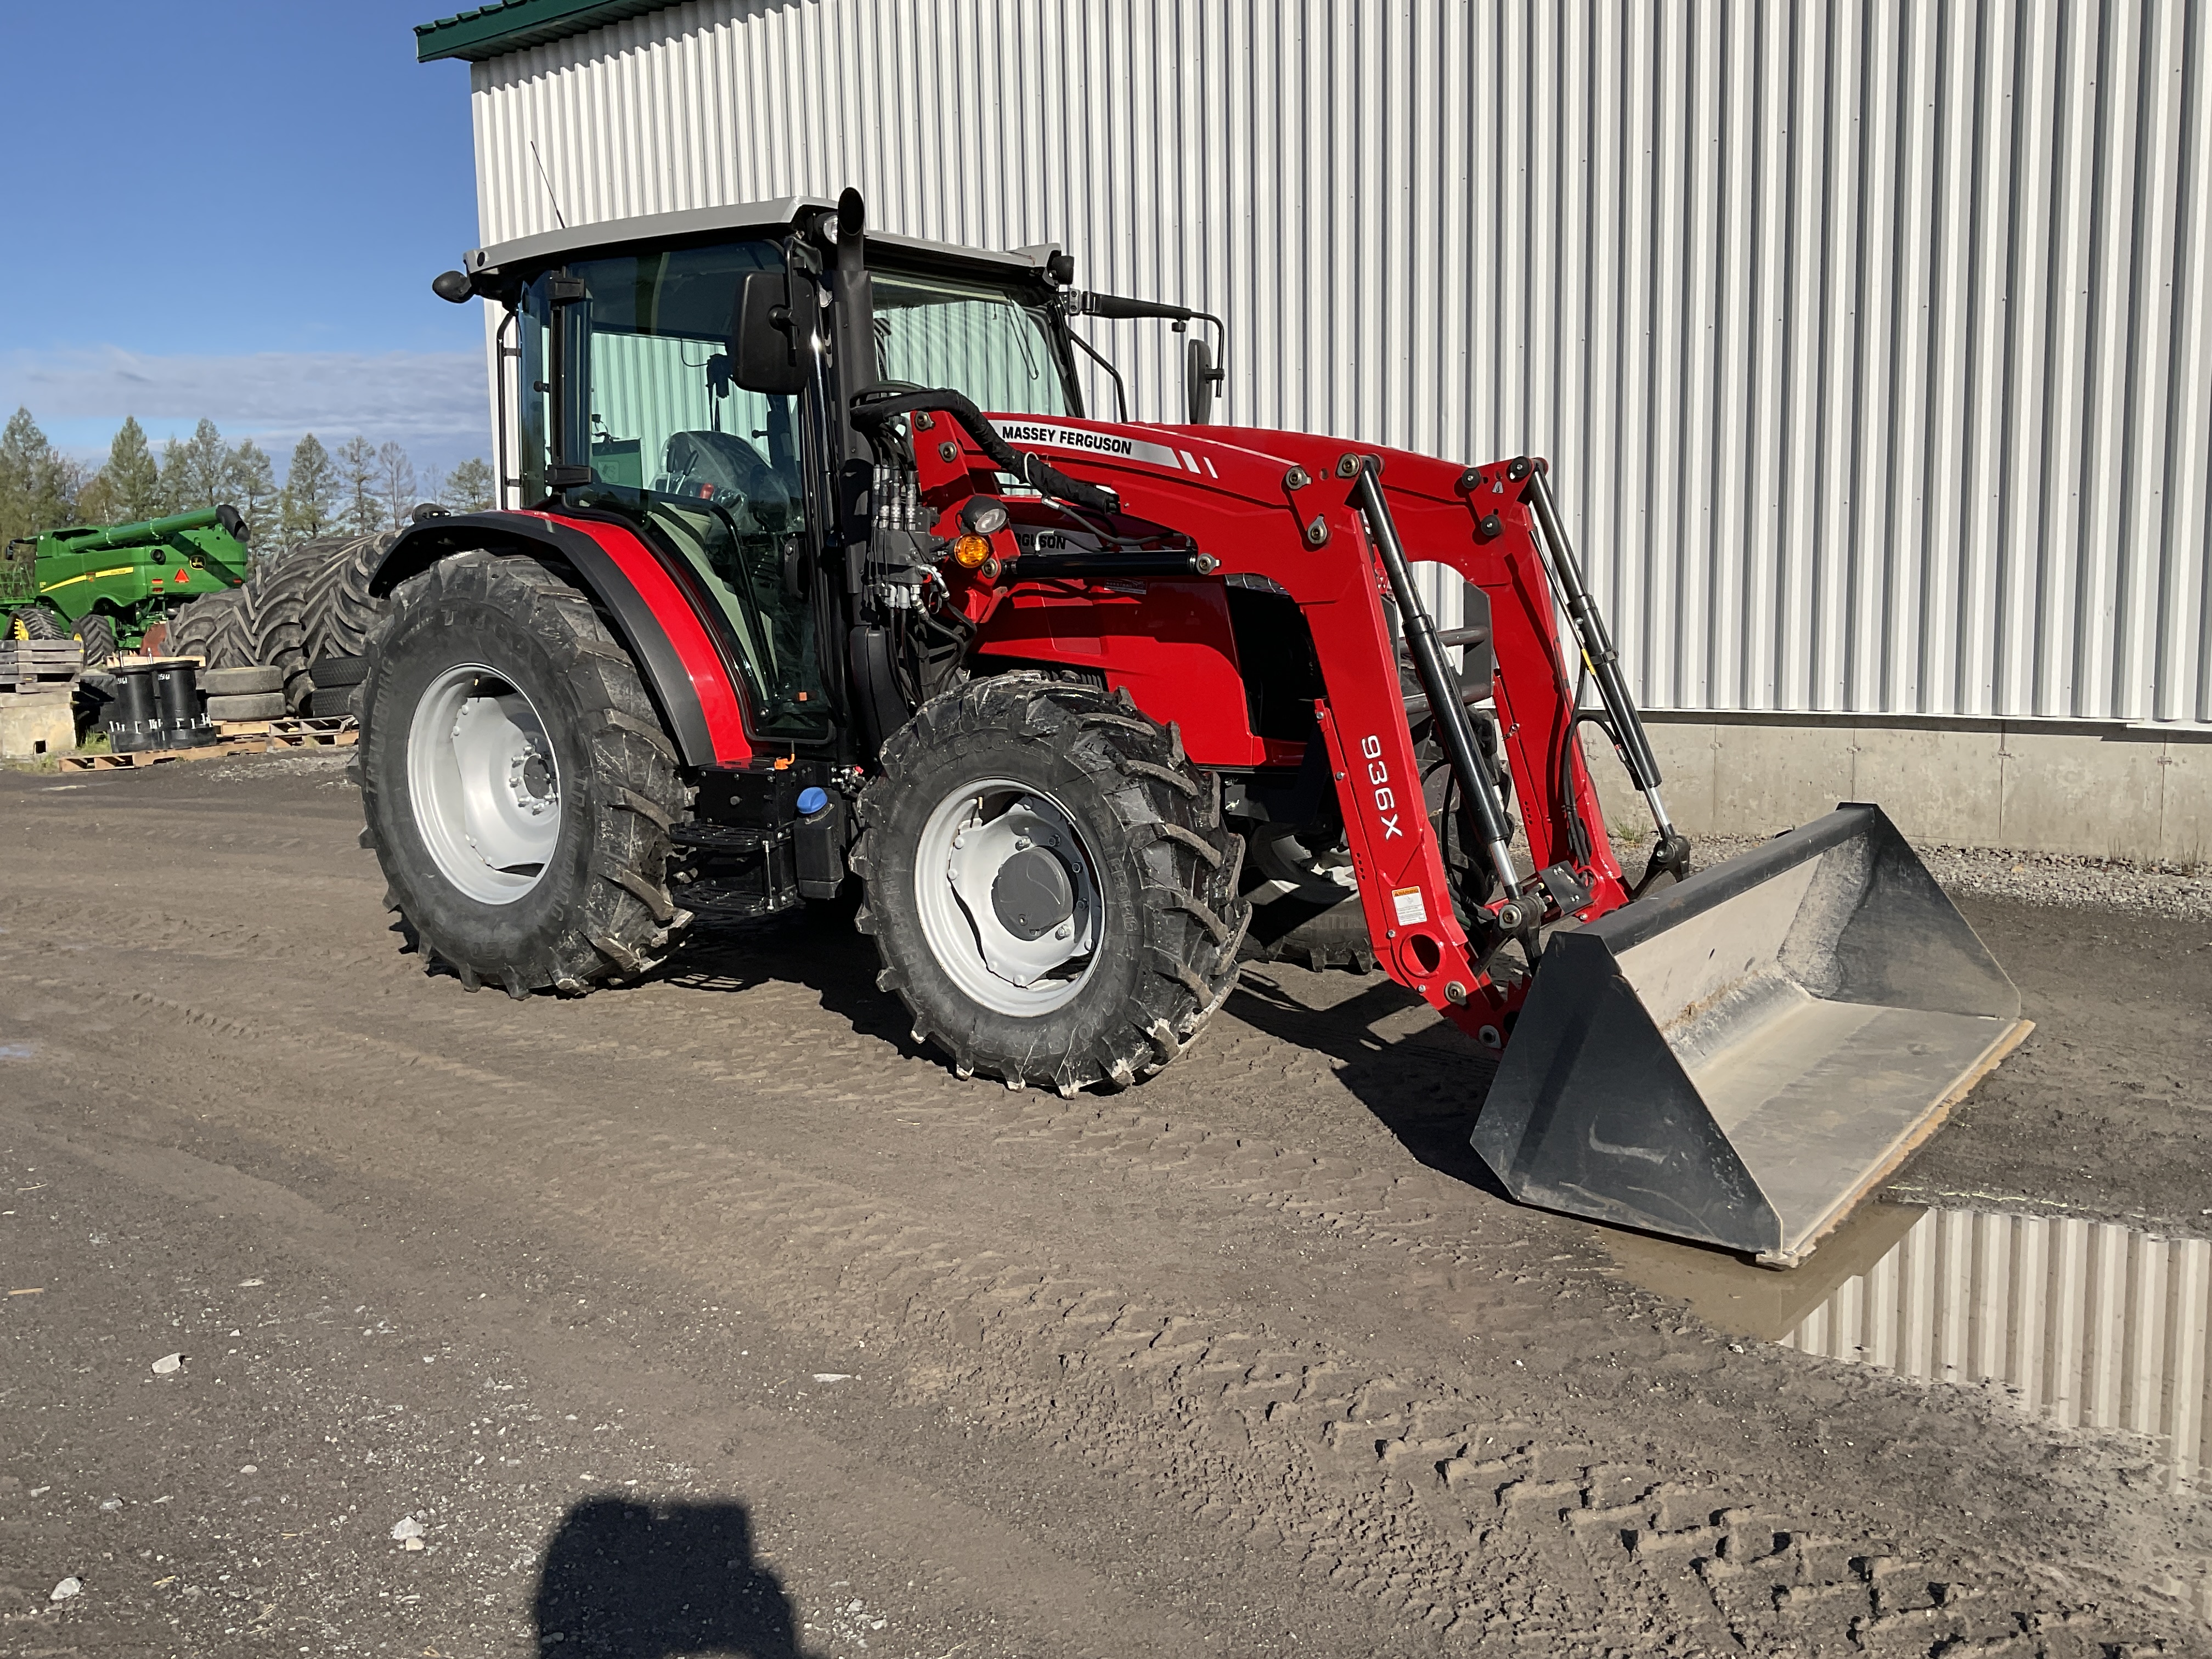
pixel 511 25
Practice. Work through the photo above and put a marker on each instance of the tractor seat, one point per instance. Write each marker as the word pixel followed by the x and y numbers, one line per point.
pixel 724 468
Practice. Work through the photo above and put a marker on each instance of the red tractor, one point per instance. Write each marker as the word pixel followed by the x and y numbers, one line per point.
pixel 1084 711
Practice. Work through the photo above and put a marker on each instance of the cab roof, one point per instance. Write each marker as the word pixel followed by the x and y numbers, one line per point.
pixel 663 230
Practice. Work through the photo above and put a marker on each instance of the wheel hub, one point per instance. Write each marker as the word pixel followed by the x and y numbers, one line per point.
pixel 1032 896
pixel 1008 897
pixel 486 790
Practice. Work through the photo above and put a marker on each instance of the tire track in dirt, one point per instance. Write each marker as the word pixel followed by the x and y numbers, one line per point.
pixel 1290 1441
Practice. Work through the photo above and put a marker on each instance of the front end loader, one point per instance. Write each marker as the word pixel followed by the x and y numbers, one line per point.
pixel 1084 713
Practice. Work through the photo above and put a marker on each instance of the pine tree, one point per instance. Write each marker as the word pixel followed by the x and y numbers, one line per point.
pixel 96 502
pixel 312 495
pixel 131 487
pixel 362 508
pixel 196 472
pixel 468 486
pixel 395 476
pixel 38 483
pixel 253 491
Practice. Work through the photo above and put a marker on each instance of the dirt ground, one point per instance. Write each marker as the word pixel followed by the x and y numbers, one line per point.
pixel 710 1317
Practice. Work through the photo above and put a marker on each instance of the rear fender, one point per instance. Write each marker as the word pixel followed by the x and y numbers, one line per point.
pixel 652 615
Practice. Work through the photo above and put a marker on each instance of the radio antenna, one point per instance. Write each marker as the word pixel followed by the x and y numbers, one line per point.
pixel 558 216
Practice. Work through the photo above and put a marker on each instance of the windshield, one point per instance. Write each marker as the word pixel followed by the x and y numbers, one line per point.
pixel 977 338
pixel 652 427
pixel 673 440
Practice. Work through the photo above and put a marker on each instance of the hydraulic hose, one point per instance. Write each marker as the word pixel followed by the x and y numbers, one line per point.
pixel 1036 472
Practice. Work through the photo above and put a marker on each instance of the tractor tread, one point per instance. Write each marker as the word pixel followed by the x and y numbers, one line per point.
pixel 623 913
pixel 213 628
pixel 1187 862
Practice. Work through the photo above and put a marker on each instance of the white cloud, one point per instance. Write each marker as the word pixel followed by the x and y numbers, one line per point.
pixel 433 402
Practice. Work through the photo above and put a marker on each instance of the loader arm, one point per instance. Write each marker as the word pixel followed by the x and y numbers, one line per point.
pixel 1286 508
pixel 1739 1061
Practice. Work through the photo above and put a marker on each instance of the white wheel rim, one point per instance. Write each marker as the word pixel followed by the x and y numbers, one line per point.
pixel 486 787
pixel 964 848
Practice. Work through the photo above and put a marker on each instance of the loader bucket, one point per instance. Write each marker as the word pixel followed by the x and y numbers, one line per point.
pixel 1740 1058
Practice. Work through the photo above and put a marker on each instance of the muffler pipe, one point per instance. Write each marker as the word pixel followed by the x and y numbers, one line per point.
pixel 1441 686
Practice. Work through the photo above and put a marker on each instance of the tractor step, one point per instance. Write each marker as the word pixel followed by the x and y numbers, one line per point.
pixel 738 870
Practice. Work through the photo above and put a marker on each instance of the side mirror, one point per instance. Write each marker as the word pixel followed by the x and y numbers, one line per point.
pixel 1199 377
pixel 768 344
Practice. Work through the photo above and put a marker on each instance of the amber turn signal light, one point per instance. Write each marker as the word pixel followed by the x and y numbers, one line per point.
pixel 969 552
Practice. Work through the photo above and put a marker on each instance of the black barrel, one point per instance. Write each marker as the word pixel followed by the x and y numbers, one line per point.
pixel 185 724
pixel 133 720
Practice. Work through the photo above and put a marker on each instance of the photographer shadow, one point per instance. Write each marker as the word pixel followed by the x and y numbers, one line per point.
pixel 624 1580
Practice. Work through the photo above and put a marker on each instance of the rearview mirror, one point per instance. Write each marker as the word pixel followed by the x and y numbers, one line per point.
pixel 1199 377
pixel 770 337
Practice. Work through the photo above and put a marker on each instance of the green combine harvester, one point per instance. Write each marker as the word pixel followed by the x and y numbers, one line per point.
pixel 107 587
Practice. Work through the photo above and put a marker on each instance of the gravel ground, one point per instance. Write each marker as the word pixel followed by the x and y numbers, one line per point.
pixel 711 1315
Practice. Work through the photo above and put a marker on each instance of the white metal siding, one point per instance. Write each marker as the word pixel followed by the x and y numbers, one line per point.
pixel 2086 1323
pixel 1869 341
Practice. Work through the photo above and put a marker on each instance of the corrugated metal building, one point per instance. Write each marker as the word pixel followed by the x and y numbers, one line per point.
pixel 1869 341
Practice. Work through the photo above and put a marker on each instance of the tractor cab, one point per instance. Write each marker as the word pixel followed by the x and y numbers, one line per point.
pixel 623 397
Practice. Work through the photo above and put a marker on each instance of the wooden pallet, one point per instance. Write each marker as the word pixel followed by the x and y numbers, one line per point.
pixel 139 759
pixel 68 653
pixel 340 732
pixel 30 666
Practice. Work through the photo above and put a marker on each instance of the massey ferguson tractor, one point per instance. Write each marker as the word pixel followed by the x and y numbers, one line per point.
pixel 1083 712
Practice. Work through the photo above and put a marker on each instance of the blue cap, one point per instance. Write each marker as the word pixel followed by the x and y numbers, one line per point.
pixel 812 800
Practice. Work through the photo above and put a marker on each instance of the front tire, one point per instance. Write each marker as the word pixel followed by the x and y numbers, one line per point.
pixel 95 631
pixel 1050 883
pixel 517 786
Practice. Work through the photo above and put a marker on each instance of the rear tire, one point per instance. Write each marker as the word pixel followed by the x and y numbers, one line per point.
pixel 1146 863
pixel 336 673
pixel 339 612
pixel 240 682
pixel 213 629
pixel 95 631
pixel 247 706
pixel 275 621
pixel 36 622
pixel 494 697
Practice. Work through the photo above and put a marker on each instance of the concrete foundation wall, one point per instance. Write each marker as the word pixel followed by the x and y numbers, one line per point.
pixel 2103 789
pixel 40 723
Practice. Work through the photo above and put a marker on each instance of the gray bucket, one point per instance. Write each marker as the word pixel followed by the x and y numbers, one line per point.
pixel 1740 1058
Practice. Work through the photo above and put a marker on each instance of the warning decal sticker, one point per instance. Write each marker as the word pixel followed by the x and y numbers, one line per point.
pixel 1411 906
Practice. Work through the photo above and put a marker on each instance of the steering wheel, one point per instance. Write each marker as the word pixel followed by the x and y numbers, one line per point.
pixel 724 468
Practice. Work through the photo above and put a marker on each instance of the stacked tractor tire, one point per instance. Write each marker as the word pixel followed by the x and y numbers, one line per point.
pixel 295 628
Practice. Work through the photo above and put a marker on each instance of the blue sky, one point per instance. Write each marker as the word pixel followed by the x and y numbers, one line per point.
pixel 235 210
